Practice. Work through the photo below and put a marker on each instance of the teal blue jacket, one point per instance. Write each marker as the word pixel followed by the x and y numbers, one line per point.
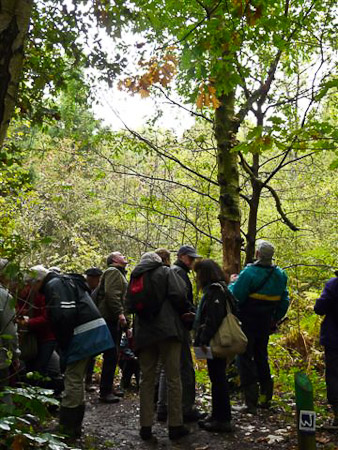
pixel 272 298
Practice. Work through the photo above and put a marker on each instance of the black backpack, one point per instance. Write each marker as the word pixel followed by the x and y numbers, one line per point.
pixel 141 298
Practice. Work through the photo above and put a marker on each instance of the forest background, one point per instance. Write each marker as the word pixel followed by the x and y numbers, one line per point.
pixel 260 161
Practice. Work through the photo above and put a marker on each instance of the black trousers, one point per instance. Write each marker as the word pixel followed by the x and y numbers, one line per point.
pixel 221 410
pixel 254 363
pixel 110 361
pixel 187 375
pixel 331 375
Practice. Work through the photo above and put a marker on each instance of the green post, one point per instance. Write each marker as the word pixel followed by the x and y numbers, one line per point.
pixel 306 417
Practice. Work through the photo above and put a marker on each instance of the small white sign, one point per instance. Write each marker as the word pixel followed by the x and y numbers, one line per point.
pixel 307 421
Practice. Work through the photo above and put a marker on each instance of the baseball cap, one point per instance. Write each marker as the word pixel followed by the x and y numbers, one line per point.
pixel 188 250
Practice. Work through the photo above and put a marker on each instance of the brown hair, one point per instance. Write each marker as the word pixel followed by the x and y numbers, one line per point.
pixel 164 254
pixel 207 272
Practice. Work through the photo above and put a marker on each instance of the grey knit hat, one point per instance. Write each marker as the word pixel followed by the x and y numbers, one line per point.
pixel 265 251
pixel 151 256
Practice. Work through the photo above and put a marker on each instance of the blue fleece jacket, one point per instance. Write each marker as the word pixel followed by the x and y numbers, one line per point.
pixel 270 302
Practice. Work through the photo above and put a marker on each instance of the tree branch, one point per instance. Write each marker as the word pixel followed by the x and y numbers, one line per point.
pixel 280 210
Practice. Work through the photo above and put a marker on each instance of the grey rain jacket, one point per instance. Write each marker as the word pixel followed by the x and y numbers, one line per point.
pixel 167 324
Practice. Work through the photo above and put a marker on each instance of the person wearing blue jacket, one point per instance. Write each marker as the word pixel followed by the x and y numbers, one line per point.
pixel 261 291
pixel 80 331
pixel 327 305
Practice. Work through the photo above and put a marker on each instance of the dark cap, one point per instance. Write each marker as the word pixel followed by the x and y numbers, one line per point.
pixel 93 272
pixel 188 250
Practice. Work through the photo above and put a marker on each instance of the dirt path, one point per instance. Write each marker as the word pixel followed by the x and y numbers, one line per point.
pixel 116 427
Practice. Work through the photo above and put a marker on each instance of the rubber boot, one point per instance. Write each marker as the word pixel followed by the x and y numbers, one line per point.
pixel 266 394
pixel 251 398
pixel 71 421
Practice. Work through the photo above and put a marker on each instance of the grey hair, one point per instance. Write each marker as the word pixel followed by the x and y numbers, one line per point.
pixel 36 273
pixel 151 256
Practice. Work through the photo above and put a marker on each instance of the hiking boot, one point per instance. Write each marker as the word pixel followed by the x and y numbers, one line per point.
pixel 118 392
pixel 218 427
pixel 251 398
pixel 89 387
pixel 201 423
pixel 146 433
pixel 109 398
pixel 265 398
pixel 178 432
pixel 193 416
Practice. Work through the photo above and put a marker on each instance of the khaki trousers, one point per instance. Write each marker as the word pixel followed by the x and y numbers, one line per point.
pixel 74 393
pixel 169 352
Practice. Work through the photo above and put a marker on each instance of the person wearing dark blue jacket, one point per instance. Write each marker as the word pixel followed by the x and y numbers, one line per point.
pixel 261 291
pixel 327 305
pixel 80 331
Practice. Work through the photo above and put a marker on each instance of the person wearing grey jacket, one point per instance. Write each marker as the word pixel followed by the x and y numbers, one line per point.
pixel 160 338
pixel 9 348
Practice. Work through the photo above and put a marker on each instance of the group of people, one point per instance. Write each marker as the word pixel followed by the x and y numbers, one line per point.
pixel 83 317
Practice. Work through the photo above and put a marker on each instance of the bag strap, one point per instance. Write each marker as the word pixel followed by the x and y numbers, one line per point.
pixel 226 297
pixel 264 281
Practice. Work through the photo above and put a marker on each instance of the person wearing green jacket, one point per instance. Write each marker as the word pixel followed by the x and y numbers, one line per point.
pixel 261 291
pixel 110 301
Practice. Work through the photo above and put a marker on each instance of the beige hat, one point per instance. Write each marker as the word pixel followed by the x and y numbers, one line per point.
pixel 36 273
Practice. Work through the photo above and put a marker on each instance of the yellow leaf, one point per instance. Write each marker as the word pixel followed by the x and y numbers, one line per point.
pixel 200 101
pixel 144 93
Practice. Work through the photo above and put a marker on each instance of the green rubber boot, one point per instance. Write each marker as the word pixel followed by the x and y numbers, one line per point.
pixel 71 421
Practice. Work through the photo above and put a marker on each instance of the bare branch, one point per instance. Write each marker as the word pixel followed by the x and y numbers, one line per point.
pixel 280 210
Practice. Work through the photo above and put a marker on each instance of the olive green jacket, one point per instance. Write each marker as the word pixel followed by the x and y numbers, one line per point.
pixel 111 294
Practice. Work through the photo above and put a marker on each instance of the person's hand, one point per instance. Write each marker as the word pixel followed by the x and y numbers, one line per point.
pixel 129 333
pixel 122 320
pixel 22 322
pixel 188 317
pixel 233 277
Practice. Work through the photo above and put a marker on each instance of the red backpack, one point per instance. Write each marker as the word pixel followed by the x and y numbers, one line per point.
pixel 141 298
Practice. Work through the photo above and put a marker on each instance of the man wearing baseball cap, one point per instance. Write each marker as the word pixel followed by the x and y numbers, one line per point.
pixel 186 257
pixel 110 300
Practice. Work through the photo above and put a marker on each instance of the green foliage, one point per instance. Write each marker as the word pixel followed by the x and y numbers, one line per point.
pixel 20 419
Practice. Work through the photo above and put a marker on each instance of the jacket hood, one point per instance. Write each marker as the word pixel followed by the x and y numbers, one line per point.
pixel 145 266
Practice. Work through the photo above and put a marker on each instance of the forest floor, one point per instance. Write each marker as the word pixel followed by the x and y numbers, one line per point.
pixel 117 427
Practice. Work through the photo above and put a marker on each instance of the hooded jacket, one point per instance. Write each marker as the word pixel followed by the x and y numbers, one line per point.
pixel 77 323
pixel 172 291
pixel 327 305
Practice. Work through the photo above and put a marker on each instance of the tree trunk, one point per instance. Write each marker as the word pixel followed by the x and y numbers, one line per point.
pixel 228 179
pixel 14 22
pixel 253 212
